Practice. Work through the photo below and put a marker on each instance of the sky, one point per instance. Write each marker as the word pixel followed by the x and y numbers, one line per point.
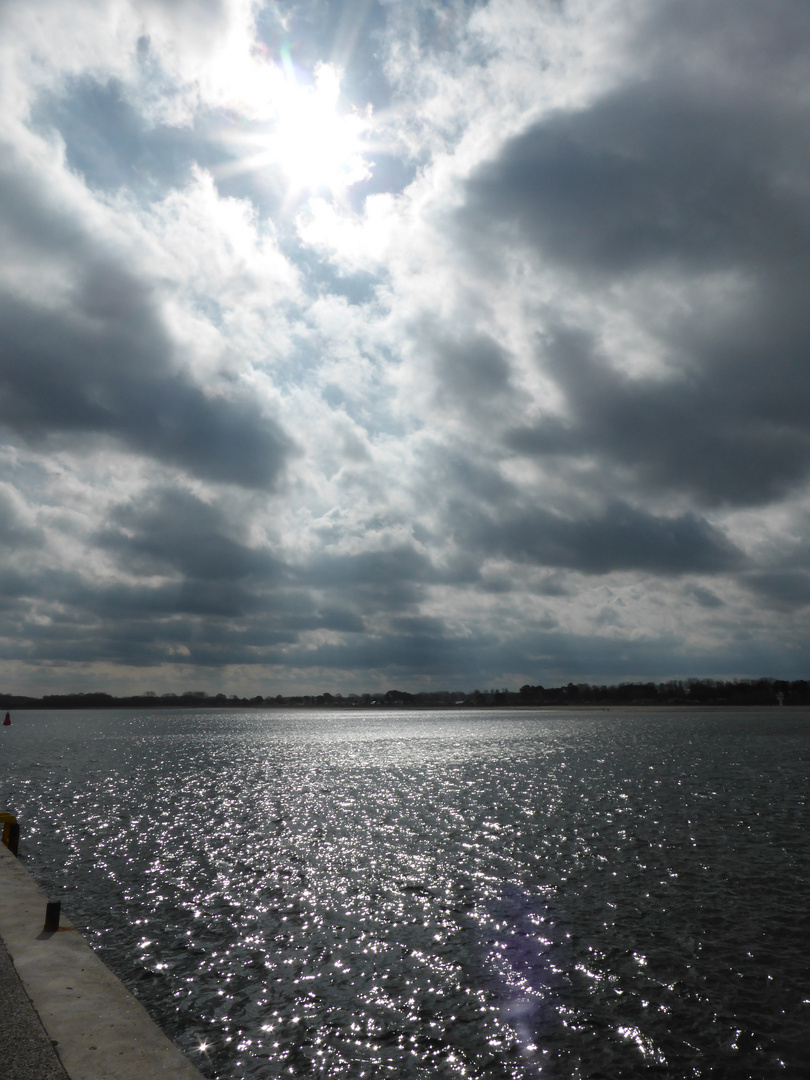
pixel 358 344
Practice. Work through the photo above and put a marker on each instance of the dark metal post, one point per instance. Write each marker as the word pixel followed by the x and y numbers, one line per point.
pixel 52 913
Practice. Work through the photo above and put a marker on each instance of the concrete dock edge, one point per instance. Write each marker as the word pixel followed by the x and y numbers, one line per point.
pixel 26 1052
pixel 99 1030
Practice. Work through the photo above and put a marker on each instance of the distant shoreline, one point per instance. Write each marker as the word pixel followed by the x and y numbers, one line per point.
pixel 676 693
pixel 247 706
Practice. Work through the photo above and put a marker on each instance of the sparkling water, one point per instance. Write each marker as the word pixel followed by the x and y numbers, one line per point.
pixel 437 894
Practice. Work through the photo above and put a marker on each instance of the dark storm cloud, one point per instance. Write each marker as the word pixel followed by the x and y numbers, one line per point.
pixel 105 365
pixel 173 530
pixel 62 375
pixel 557 656
pixel 751 47
pixel 436 331
pixel 394 579
pixel 142 644
pixel 224 599
pixel 729 429
pixel 460 473
pixel 618 538
pixel 194 620
pixel 226 602
pixel 547 656
pixel 661 178
pixel 472 371
pixel 204 610
pixel 705 597
pixel 788 588
pixel 409 654
pixel 418 625
pixel 651 175
pixel 14 597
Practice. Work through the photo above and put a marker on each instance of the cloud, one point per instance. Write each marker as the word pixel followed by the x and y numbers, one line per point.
pixel 647 178
pixel 88 352
pixel 716 431
pixel 472 372
pixel 110 143
pixel 785 588
pixel 392 579
pixel 527 403
pixel 17 530
pixel 660 181
pixel 705 597
pixel 170 530
pixel 620 538
pixel 105 370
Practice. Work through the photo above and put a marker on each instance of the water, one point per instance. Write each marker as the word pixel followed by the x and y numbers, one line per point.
pixel 399 895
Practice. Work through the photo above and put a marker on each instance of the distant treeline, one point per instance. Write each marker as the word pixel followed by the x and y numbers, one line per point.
pixel 677 692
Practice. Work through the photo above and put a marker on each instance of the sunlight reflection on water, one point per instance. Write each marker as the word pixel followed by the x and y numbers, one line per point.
pixel 445 895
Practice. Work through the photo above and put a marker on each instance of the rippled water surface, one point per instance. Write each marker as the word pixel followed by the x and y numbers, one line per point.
pixel 396 895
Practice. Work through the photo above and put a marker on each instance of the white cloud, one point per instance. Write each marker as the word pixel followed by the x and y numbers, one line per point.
pixel 530 395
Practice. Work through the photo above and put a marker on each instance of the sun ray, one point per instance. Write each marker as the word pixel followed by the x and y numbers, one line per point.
pixel 317 147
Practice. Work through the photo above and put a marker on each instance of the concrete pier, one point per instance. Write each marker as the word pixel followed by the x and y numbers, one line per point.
pixel 63 1014
pixel 26 1052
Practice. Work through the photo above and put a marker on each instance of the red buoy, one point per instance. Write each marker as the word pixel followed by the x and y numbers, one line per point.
pixel 7 720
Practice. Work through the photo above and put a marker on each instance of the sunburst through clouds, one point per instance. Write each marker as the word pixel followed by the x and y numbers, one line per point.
pixel 309 138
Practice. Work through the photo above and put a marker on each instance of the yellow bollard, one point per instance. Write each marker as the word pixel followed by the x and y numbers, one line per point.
pixel 11 831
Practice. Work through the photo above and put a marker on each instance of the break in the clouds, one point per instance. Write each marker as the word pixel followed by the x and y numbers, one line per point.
pixel 366 344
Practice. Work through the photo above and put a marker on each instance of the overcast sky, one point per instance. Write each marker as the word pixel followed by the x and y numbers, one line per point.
pixel 355 345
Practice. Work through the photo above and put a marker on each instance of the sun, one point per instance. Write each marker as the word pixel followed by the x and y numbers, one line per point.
pixel 304 135
pixel 314 144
